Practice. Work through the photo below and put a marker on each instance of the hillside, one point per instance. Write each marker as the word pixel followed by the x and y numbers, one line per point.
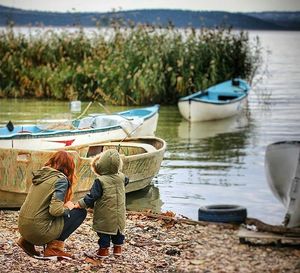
pixel 290 20
pixel 159 17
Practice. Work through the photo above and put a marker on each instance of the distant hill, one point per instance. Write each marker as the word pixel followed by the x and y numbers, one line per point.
pixel 159 17
pixel 290 20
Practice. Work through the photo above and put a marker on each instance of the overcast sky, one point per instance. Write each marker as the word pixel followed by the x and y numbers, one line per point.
pixel 109 5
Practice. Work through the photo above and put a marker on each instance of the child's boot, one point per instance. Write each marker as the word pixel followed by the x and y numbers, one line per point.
pixel 27 247
pixel 56 249
pixel 103 252
pixel 117 250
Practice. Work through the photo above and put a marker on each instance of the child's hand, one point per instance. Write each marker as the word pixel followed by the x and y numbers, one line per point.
pixel 70 205
pixel 77 206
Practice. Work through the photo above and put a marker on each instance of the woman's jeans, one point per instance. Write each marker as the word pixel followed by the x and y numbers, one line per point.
pixel 104 240
pixel 72 222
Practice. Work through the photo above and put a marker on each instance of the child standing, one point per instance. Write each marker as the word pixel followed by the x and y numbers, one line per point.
pixel 107 197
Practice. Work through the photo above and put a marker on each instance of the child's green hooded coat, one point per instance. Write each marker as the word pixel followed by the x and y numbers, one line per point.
pixel 109 208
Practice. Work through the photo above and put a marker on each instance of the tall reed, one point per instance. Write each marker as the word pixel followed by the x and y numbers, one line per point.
pixel 138 65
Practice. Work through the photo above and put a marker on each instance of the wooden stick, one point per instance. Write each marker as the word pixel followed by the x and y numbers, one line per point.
pixel 105 109
pixel 85 110
pixel 179 220
pixel 177 243
pixel 261 226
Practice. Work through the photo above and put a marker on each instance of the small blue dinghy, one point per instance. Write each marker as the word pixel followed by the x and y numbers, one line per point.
pixel 92 128
pixel 217 102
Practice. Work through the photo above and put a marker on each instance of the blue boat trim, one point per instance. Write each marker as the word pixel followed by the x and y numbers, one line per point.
pixel 220 102
pixel 33 131
pixel 138 112
pixel 58 133
pixel 224 93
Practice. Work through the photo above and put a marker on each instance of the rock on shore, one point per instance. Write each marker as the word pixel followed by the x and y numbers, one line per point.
pixel 153 244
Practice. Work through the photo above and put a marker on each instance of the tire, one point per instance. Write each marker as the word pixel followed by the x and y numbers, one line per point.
pixel 223 214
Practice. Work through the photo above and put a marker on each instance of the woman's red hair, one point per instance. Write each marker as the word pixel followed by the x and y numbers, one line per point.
pixel 64 163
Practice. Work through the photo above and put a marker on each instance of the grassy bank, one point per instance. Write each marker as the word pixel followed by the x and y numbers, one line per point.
pixel 134 66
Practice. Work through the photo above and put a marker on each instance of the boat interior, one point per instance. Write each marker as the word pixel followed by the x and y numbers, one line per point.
pixel 85 123
pixel 216 96
pixel 126 148
pixel 104 121
pixel 136 112
pixel 24 129
pixel 10 129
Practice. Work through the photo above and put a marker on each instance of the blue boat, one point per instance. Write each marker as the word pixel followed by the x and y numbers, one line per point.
pixel 93 128
pixel 217 102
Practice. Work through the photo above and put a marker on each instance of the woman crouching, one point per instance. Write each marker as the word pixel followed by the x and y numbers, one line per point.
pixel 47 217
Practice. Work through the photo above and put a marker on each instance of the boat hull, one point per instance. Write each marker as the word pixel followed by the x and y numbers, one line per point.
pixel 202 111
pixel 129 126
pixel 217 102
pixel 282 168
pixel 142 158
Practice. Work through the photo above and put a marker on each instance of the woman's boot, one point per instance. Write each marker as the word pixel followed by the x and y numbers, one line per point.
pixel 56 249
pixel 27 247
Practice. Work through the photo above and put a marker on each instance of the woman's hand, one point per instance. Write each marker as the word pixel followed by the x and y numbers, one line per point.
pixel 70 205
pixel 77 206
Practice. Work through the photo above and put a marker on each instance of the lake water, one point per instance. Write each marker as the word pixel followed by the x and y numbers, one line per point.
pixel 219 162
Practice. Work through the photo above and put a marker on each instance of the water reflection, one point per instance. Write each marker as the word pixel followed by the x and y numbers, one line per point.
pixel 33 111
pixel 195 130
pixel 204 163
pixel 147 198
pixel 30 111
pixel 212 146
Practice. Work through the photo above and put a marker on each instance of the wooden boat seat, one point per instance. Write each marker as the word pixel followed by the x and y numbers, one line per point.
pixel 128 148
pixel 147 147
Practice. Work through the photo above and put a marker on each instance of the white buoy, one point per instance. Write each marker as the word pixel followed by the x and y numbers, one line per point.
pixel 75 106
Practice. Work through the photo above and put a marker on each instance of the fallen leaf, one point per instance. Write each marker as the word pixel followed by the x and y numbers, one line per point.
pixel 197 262
pixel 169 213
pixel 93 262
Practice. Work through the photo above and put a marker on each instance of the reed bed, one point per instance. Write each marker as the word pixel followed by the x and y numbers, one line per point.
pixel 129 66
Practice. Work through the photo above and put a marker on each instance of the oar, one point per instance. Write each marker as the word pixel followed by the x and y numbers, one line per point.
pixel 105 109
pixel 85 110
pixel 128 135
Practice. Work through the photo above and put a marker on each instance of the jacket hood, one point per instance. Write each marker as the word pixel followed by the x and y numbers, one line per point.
pixel 44 174
pixel 107 162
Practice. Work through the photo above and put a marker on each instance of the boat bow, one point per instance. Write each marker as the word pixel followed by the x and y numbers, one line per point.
pixel 282 167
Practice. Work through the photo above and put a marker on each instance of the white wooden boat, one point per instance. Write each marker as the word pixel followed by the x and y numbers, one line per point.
pixel 142 158
pixel 96 127
pixel 282 167
pixel 217 102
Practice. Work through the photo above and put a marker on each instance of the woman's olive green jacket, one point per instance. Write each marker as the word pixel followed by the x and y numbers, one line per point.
pixel 41 215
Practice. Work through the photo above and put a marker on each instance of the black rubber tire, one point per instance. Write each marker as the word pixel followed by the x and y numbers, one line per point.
pixel 223 214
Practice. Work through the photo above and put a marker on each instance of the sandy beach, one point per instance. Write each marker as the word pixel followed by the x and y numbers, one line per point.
pixel 153 244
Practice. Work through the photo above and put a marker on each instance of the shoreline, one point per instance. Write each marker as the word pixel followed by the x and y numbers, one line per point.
pixel 161 243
